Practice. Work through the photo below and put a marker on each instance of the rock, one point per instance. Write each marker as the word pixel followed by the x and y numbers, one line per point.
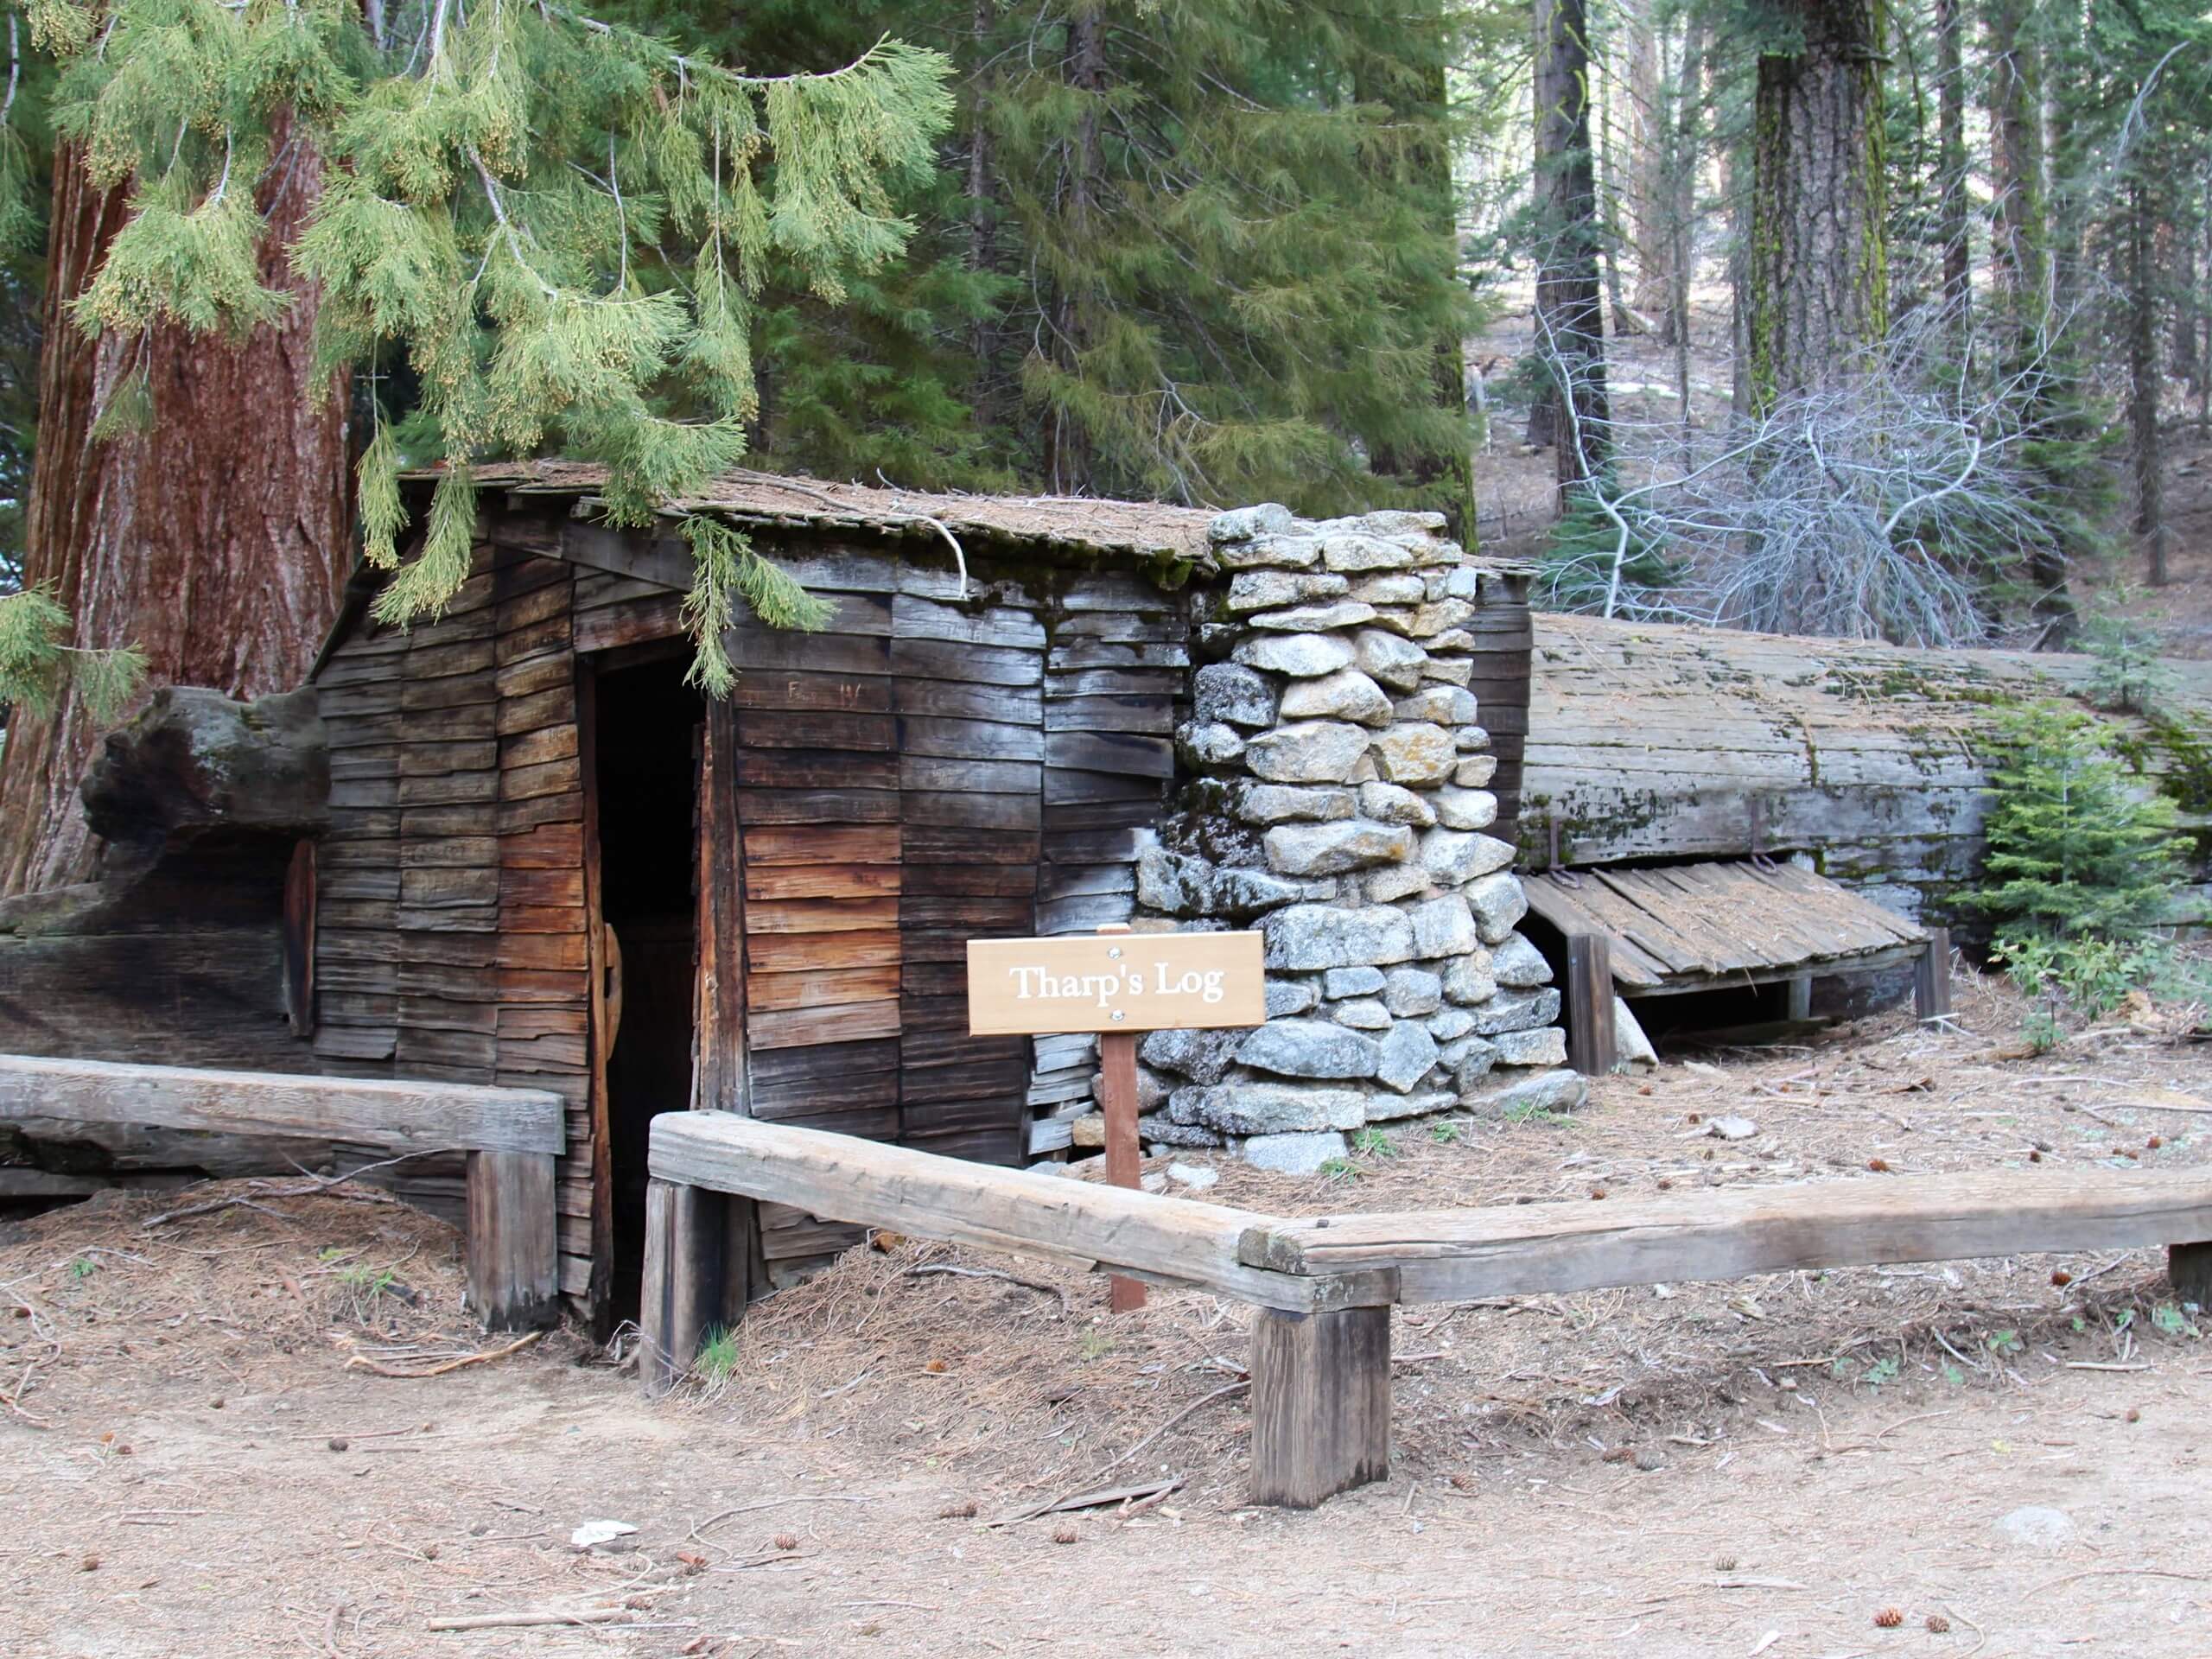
pixel 1162 1131
pixel 1281 803
pixel 1312 752
pixel 1468 978
pixel 1475 770
pixel 1398 881
pixel 2033 1527
pixel 1183 885
pixel 1391 803
pixel 1307 1048
pixel 1201 1056
pixel 1445 705
pixel 1452 642
pixel 1732 1128
pixel 1304 656
pixel 1364 1014
pixel 1198 1177
pixel 1211 744
pixel 1467 582
pixel 1274 1108
pixel 1443 927
pixel 1392 590
pixel 1293 1154
pixel 1358 552
pixel 1152 1089
pixel 1516 1010
pixel 1517 962
pixel 1089 1130
pixel 1383 1109
pixel 1384 657
pixel 1470 1060
pixel 1546 1045
pixel 1266 590
pixel 1450 1024
pixel 1231 694
pixel 1498 903
pixel 1466 809
pixel 1631 1048
pixel 1274 553
pixel 1340 982
pixel 1345 695
pixel 1470 739
pixel 1436 621
pixel 1416 753
pixel 1407 1055
pixel 1249 523
pixel 1328 848
pixel 1451 671
pixel 1409 992
pixel 1314 618
pixel 1456 857
pixel 1323 936
pixel 1544 1091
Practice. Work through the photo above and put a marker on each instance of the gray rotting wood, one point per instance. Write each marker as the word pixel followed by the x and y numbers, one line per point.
pixel 513 1252
pixel 1320 1404
pixel 1524 1250
pixel 396 1116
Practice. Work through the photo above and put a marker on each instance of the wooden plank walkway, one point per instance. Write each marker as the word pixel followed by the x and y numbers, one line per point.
pixel 1694 927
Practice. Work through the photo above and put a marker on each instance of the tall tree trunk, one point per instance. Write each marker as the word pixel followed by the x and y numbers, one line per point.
pixel 216 542
pixel 1819 272
pixel 1649 171
pixel 2143 378
pixel 1069 459
pixel 2019 262
pixel 1951 164
pixel 1684 97
pixel 1570 319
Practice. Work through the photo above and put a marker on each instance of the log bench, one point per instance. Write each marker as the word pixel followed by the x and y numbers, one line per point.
pixel 512 1137
pixel 1320 1361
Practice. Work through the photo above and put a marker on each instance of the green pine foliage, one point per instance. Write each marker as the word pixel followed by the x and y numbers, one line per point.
pixel 1576 567
pixel 2083 860
pixel 38 663
pixel 562 225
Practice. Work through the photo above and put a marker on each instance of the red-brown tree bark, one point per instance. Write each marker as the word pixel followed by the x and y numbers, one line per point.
pixel 217 541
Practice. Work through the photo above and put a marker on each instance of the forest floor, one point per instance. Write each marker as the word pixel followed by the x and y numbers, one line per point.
pixel 201 1454
pixel 1516 487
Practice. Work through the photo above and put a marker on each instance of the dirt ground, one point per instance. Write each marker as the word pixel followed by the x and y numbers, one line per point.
pixel 202 1455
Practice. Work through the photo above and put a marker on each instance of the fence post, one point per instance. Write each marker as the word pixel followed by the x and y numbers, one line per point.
pixel 1320 1403
pixel 1931 977
pixel 1591 1046
pixel 514 1268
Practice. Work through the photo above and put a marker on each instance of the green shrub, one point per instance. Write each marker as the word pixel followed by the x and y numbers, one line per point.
pixel 2082 863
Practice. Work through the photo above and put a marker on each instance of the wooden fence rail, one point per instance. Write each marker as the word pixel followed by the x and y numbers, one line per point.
pixel 1321 1348
pixel 512 1137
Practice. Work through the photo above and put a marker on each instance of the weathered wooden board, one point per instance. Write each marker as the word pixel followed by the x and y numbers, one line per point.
pixel 403 1117
pixel 1449 1256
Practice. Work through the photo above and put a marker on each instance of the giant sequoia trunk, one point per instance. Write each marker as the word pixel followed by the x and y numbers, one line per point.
pixel 216 541
pixel 1819 275
pixel 1570 317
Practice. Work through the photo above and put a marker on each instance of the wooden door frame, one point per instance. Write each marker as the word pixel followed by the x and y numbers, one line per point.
pixel 599 1295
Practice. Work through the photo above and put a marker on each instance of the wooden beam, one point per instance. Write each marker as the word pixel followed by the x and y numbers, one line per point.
pixel 838 1178
pixel 697 1245
pixel 1931 977
pixel 1320 1404
pixel 1592 1046
pixel 399 1117
pixel 1449 1256
pixel 514 1270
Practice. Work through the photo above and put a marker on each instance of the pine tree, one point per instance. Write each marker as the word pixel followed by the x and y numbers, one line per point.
pixel 2076 848
pixel 561 223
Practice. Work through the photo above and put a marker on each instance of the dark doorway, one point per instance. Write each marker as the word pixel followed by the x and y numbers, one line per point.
pixel 646 744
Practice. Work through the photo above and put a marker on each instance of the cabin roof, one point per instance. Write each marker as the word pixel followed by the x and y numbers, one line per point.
pixel 1693 927
pixel 1146 529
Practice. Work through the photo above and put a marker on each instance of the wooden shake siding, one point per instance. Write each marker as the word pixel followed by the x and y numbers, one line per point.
pixel 450 916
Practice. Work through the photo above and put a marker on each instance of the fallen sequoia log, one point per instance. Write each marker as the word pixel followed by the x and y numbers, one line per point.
pixel 1654 742
pixel 177 954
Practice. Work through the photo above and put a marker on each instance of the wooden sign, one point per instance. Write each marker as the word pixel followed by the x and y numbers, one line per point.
pixel 1116 981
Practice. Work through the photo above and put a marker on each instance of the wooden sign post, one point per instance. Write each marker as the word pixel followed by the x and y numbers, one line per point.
pixel 1117 984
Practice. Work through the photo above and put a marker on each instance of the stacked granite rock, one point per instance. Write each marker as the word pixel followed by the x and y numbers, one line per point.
pixel 1336 799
